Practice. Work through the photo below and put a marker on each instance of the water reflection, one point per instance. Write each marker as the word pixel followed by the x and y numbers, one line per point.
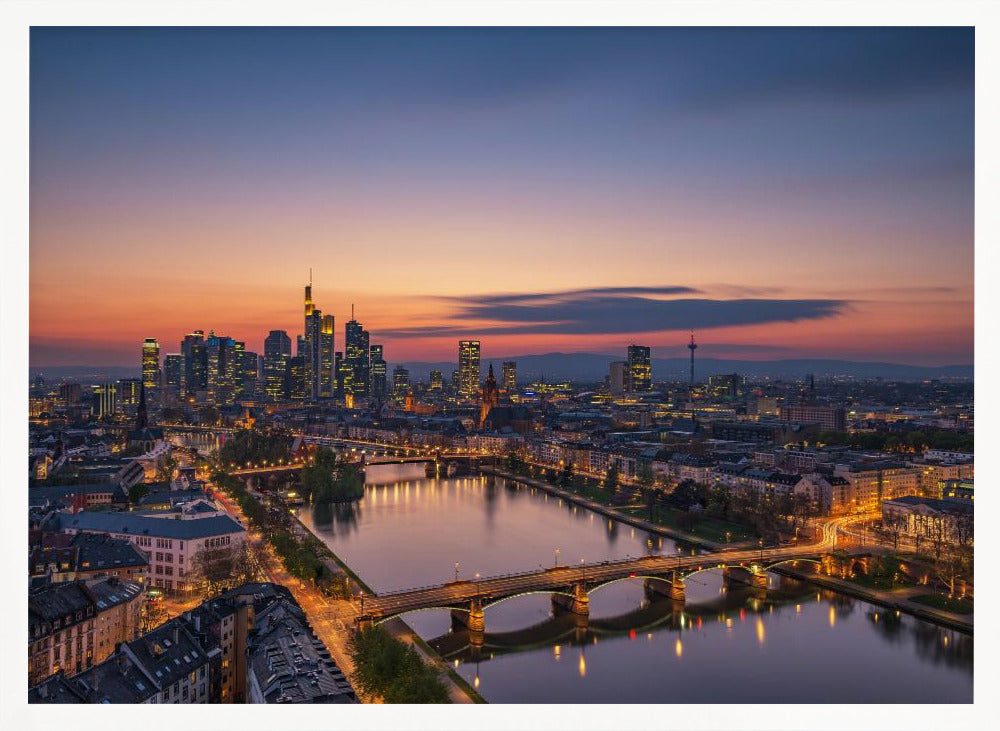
pixel 788 643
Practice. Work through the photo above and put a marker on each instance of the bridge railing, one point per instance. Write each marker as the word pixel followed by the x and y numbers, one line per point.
pixel 603 564
pixel 517 575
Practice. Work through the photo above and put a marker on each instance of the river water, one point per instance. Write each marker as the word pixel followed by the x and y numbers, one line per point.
pixel 793 644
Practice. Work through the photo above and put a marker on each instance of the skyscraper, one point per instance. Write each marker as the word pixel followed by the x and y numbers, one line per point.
pixel 509 376
pixel 341 373
pixel 246 374
pixel 618 377
pixel 468 368
pixel 356 356
pixel 128 394
pixel 151 368
pixel 312 347
pixel 640 373
pixel 378 373
pixel 400 383
pixel 437 381
pixel 173 376
pixel 326 376
pixel 295 382
pixel 277 351
pixel 223 367
pixel 195 377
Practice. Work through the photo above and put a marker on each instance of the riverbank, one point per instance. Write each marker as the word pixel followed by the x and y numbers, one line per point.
pixel 895 600
pixel 610 512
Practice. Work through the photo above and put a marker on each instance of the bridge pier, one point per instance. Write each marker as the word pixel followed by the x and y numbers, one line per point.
pixel 672 588
pixel 473 620
pixel 578 603
pixel 755 576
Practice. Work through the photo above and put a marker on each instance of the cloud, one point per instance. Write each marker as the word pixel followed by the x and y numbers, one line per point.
pixel 605 311
pixel 539 297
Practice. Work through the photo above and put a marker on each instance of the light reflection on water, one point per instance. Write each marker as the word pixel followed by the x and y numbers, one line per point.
pixel 790 644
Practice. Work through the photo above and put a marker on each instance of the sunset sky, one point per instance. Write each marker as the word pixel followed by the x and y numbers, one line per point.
pixel 783 192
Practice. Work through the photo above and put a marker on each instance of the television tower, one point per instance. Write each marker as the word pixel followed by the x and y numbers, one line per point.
pixel 692 346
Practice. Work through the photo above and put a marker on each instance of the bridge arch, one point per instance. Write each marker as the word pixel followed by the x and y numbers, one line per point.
pixel 387 617
pixel 794 560
pixel 637 577
pixel 548 592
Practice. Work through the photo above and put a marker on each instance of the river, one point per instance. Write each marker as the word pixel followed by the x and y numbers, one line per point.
pixel 794 644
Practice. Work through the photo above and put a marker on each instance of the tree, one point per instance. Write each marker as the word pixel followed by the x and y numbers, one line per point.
pixel 165 468
pixel 566 476
pixel 420 685
pixel 720 499
pixel 687 494
pixel 137 492
pixel 152 615
pixel 214 570
pixel 611 478
pixel 952 564
pixel 332 480
pixel 893 525
pixel 386 667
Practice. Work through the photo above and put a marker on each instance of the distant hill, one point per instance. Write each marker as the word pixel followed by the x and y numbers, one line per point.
pixel 594 366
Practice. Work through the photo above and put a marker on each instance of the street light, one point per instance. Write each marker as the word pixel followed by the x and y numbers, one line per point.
pixel 477 583
pixel 557 558
pixel 761 544
pixel 456 571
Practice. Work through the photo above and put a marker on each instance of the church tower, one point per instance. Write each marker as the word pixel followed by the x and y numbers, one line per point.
pixel 490 396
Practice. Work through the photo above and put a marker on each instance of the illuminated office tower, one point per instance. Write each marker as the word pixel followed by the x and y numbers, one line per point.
pixel 378 370
pixel 356 355
pixel 295 381
pixel 105 400
pixel 246 372
pixel 437 381
pixel 326 375
pixel 277 351
pixel 223 366
pixel 400 384
pixel 468 369
pixel 128 394
pixel 508 376
pixel 173 376
pixel 341 372
pixel 640 374
pixel 309 345
pixel 151 368
pixel 195 375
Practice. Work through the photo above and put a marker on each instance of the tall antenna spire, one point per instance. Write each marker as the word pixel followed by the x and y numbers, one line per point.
pixel 692 346
pixel 352 310
pixel 310 276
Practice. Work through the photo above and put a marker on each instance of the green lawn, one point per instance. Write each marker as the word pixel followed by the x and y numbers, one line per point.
pixel 939 601
pixel 710 529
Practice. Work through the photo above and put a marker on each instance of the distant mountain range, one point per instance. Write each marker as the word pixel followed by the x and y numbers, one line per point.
pixel 594 366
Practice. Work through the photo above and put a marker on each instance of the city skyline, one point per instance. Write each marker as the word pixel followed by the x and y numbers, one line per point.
pixel 780 196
